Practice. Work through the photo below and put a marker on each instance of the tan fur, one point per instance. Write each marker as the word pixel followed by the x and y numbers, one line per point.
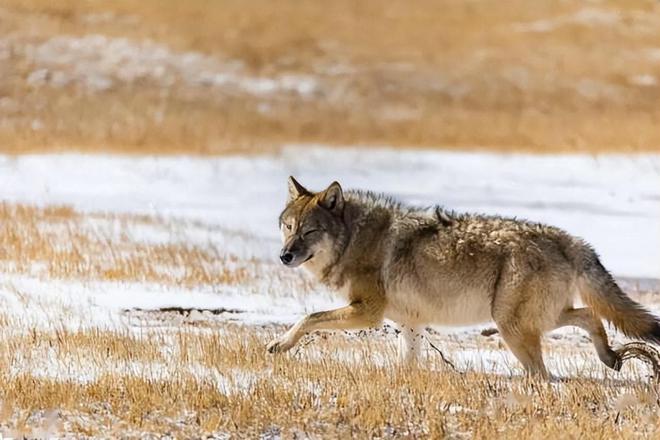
pixel 430 266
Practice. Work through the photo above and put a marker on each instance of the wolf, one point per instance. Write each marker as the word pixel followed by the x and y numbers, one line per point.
pixel 424 266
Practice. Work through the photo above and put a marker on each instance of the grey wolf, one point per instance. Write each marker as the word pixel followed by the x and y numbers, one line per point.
pixel 422 266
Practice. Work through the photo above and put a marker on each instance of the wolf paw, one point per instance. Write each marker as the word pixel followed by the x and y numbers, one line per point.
pixel 279 345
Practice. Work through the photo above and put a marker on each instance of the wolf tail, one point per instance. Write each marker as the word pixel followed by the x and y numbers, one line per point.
pixel 600 292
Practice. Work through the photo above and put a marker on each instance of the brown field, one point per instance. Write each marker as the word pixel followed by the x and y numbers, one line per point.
pixel 213 77
pixel 167 374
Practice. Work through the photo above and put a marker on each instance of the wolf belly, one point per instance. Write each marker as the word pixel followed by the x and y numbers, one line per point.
pixel 466 307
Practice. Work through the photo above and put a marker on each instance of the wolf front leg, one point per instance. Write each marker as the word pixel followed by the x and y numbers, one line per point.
pixel 410 342
pixel 359 314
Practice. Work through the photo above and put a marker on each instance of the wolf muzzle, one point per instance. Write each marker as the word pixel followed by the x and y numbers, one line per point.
pixel 286 257
pixel 291 257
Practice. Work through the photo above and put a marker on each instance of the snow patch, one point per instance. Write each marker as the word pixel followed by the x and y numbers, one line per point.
pixel 643 80
pixel 97 63
pixel 612 201
pixel 591 17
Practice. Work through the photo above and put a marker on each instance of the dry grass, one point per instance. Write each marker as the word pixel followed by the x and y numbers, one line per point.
pixel 67 245
pixel 189 378
pixel 248 393
pixel 539 76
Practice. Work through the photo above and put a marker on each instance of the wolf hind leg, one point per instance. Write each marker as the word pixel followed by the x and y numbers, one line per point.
pixel 513 311
pixel 526 347
pixel 585 319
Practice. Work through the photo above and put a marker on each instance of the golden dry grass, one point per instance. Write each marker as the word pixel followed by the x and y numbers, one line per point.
pixel 248 393
pixel 536 76
pixel 67 245
pixel 189 378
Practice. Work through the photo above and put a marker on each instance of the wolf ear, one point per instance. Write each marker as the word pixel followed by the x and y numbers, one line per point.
pixel 296 189
pixel 332 198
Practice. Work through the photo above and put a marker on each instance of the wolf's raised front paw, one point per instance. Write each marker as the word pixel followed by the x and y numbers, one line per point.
pixel 279 345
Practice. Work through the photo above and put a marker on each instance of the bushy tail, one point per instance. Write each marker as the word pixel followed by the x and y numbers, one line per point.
pixel 600 292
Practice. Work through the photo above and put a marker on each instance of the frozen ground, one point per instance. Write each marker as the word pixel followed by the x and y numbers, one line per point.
pixel 232 204
pixel 612 201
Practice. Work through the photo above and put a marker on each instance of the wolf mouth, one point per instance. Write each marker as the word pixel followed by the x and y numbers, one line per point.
pixel 307 259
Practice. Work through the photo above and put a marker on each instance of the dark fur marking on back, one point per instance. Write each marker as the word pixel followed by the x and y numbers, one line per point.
pixel 444 218
pixel 406 246
pixel 496 285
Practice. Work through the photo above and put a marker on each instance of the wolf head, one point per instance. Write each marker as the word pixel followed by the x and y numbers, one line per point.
pixel 312 226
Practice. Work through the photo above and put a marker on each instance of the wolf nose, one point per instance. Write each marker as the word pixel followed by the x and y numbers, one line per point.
pixel 286 257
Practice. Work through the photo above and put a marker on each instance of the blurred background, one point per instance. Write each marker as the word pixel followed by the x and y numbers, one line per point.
pixel 243 76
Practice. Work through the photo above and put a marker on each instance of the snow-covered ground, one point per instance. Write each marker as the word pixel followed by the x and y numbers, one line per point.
pixel 613 201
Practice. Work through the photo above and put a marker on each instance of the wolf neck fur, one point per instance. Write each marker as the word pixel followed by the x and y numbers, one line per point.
pixel 366 215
